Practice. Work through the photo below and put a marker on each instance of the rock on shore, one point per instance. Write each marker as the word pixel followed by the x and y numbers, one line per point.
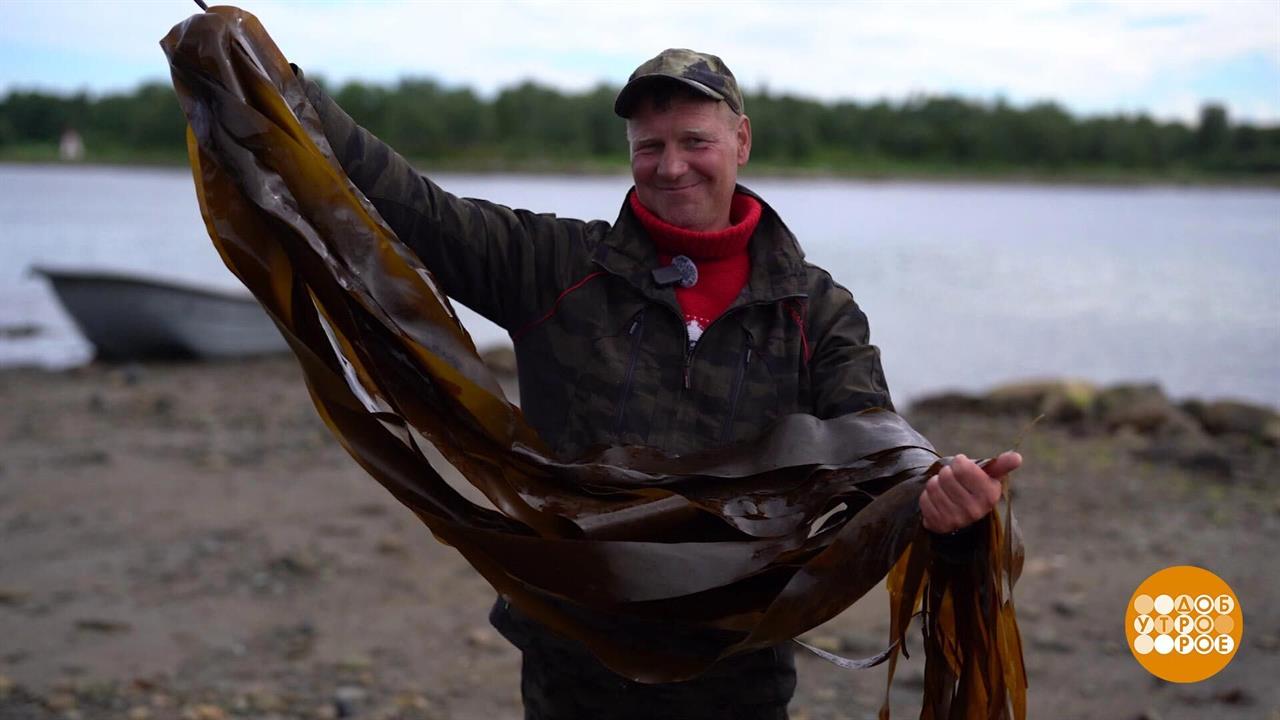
pixel 1227 438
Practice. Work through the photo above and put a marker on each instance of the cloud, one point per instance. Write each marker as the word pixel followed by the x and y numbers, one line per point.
pixel 1093 57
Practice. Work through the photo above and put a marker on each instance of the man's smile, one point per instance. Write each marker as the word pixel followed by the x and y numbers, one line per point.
pixel 680 187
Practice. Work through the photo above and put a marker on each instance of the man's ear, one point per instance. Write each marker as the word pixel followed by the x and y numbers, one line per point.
pixel 744 140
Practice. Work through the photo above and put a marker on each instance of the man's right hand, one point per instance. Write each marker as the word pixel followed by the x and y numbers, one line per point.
pixel 963 493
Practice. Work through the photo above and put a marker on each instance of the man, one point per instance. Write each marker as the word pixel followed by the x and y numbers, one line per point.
pixel 691 322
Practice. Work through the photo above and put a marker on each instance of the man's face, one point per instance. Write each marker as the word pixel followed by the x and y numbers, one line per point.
pixel 685 158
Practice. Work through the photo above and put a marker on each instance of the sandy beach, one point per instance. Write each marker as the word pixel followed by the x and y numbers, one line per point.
pixel 189 541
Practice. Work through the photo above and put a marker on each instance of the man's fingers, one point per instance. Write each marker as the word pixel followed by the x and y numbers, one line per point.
pixel 1006 463
pixel 939 515
pixel 963 492
pixel 983 486
pixel 966 486
pixel 942 502
pixel 933 519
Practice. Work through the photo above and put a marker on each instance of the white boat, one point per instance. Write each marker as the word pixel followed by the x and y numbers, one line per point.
pixel 130 317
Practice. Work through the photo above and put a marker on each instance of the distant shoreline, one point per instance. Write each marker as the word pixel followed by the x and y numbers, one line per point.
pixel 1086 177
pixel 996 397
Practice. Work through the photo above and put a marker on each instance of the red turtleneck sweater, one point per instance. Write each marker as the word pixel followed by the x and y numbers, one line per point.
pixel 721 257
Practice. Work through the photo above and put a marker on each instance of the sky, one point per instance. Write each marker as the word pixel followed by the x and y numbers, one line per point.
pixel 1156 56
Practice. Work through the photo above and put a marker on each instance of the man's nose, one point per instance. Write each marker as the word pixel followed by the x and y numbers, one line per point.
pixel 672 165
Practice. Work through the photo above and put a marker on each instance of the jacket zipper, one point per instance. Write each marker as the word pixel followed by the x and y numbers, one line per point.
pixel 736 393
pixel 688 354
pixel 636 331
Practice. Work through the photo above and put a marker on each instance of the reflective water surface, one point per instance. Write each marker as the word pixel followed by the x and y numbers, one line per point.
pixel 965 285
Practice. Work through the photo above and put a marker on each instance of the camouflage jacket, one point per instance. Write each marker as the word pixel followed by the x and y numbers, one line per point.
pixel 602 349
pixel 604 358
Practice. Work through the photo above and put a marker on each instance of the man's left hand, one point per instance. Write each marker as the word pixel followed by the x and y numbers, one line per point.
pixel 963 493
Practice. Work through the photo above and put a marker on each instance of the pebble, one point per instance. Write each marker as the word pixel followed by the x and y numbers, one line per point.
pixel 390 546
pixel 410 701
pixel 1268 642
pixel 204 712
pixel 1234 696
pixel 60 701
pixel 355 662
pixel 348 699
pixel 1045 565
pixel 139 713
pixel 102 625
pixel 483 638
pixel 132 374
pixel 1048 641
pixel 300 564
pixel 162 405
pixel 1065 608
pixel 264 701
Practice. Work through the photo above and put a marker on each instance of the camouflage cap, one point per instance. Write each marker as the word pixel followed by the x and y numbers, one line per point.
pixel 705 73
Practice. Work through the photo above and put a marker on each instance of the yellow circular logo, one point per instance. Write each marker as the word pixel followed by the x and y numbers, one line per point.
pixel 1184 624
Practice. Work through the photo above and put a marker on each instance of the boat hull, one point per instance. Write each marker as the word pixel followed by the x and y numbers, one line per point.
pixel 133 318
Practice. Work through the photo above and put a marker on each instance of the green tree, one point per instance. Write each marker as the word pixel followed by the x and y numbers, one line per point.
pixel 530 122
pixel 1213 131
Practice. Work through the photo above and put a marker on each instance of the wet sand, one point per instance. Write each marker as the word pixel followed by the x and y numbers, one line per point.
pixel 189 541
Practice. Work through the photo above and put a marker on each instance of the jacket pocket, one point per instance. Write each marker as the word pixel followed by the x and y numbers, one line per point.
pixel 636 333
pixel 754 396
pixel 613 397
pixel 735 391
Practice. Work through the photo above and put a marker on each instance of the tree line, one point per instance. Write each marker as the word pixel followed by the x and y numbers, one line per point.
pixel 530 124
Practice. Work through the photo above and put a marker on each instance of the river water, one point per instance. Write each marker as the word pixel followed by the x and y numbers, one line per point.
pixel 966 285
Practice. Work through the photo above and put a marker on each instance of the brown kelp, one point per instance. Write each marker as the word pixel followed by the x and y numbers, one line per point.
pixel 675 562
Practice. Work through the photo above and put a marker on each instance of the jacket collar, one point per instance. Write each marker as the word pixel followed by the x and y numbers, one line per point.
pixel 777 262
